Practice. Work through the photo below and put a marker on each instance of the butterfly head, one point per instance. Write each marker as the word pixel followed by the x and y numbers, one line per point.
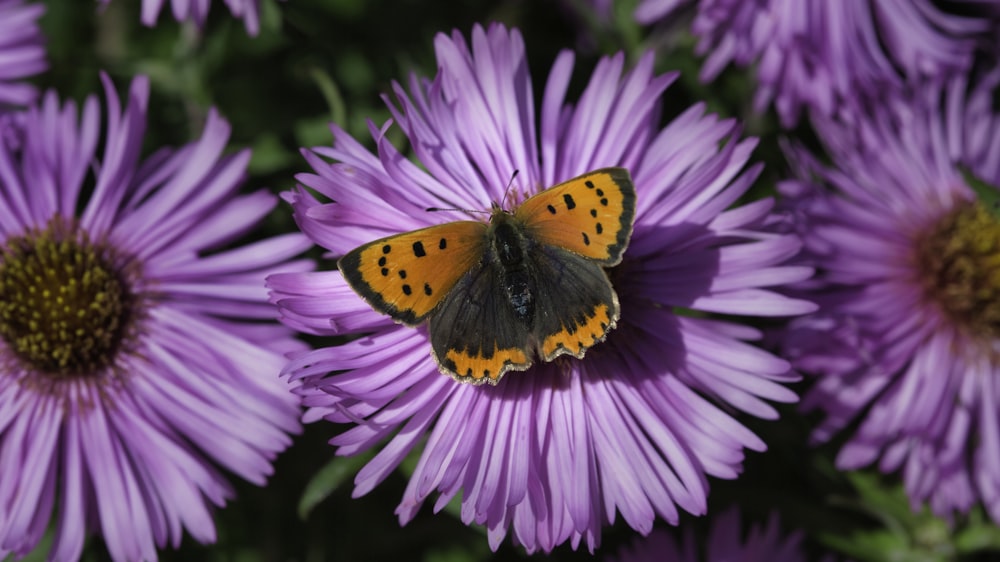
pixel 499 213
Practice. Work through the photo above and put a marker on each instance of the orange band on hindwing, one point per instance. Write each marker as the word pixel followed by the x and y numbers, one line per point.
pixel 487 367
pixel 576 338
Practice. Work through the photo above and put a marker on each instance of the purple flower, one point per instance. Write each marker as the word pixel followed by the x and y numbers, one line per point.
pixel 906 342
pixel 557 451
pixel 197 11
pixel 22 50
pixel 128 382
pixel 817 54
pixel 725 542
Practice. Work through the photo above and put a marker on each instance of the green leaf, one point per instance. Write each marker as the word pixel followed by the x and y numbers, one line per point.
pixel 329 479
pixel 866 545
pixel 269 155
pixel 907 535
pixel 314 131
pixel 988 195
pixel 331 93
pixel 978 534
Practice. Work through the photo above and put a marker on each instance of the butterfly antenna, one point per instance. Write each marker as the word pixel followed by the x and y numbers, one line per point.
pixel 438 209
pixel 506 191
pixel 502 203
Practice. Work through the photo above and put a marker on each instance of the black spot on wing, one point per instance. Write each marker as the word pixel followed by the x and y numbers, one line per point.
pixel 442 244
pixel 418 249
pixel 568 199
pixel 349 266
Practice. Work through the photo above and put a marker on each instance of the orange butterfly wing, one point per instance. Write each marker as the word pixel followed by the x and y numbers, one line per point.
pixel 407 275
pixel 590 215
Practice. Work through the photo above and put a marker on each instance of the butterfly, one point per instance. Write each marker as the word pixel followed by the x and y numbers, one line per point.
pixel 530 282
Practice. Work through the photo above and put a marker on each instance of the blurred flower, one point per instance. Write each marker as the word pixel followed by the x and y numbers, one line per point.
pixel 907 342
pixel 557 451
pixel 725 543
pixel 817 54
pixel 197 11
pixel 128 377
pixel 22 50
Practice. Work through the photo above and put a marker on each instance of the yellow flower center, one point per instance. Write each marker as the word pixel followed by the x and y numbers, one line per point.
pixel 65 303
pixel 959 261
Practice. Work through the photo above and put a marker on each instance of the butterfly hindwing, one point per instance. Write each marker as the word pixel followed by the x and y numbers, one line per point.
pixel 407 275
pixel 582 303
pixel 475 334
pixel 590 215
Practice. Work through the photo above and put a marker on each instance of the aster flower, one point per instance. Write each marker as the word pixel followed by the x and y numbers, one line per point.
pixel 816 54
pixel 555 452
pixel 128 382
pixel 725 542
pixel 22 50
pixel 906 342
pixel 196 11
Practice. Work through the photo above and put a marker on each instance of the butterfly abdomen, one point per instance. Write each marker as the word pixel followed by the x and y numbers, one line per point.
pixel 509 253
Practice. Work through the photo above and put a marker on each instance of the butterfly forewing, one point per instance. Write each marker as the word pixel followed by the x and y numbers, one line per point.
pixel 590 215
pixel 407 275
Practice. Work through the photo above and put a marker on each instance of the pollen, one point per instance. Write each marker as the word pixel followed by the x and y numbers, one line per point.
pixel 959 261
pixel 66 309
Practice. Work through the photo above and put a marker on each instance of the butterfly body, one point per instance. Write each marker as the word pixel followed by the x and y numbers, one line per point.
pixel 510 250
pixel 530 282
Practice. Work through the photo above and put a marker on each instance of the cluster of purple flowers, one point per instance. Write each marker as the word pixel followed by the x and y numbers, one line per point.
pixel 148 344
pixel 821 56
